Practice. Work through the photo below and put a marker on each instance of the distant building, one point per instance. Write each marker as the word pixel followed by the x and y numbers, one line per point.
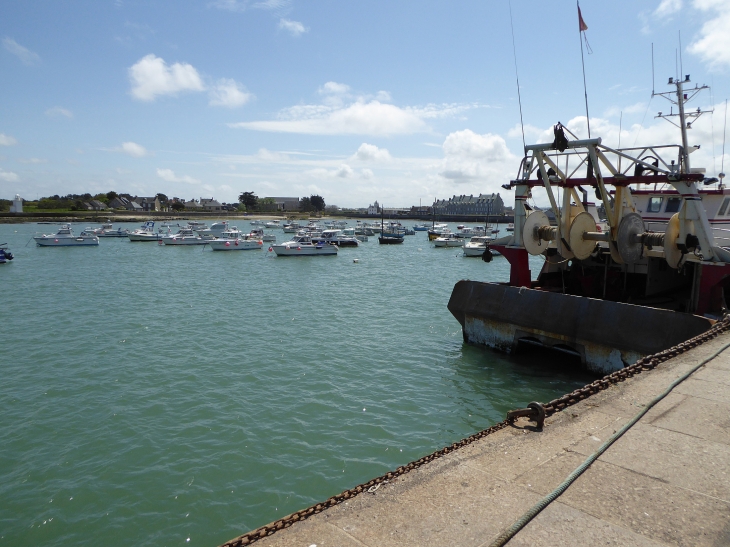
pixel 483 204
pixel 193 205
pixel 211 204
pixel 97 205
pixel 374 209
pixel 285 204
pixel 17 206
pixel 148 204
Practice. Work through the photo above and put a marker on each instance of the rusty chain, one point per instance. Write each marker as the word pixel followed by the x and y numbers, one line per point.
pixel 556 405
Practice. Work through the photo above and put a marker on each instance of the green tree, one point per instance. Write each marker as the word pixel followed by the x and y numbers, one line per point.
pixel 111 195
pixel 102 197
pixel 249 200
pixel 317 202
pixel 305 205
pixel 178 206
pixel 162 198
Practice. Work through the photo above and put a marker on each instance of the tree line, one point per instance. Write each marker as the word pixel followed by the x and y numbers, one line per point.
pixel 251 202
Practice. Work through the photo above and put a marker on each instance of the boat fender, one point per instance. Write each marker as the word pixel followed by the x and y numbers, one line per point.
pixel 55 241
pixel 236 243
pixel 228 243
pixel 271 249
pixel 299 248
pixel 487 255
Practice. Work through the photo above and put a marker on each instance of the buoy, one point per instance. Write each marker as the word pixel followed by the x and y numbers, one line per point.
pixel 228 243
pixel 271 249
pixel 159 242
pixel 261 243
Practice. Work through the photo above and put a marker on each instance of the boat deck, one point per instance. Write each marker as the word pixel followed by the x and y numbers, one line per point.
pixel 665 482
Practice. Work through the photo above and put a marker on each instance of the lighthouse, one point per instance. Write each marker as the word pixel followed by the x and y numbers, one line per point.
pixel 17 206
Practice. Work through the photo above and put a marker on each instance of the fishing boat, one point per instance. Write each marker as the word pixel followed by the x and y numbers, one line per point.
pixel 638 286
pixel 388 238
pixel 302 245
pixel 5 255
pixel 437 230
pixel 66 238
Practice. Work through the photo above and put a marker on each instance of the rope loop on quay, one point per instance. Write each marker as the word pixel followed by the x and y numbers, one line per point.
pixel 648 362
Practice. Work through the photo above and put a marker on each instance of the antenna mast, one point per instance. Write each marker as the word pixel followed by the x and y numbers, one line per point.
pixel 679 98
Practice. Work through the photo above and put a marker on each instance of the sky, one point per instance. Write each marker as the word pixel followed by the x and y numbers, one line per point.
pixel 401 102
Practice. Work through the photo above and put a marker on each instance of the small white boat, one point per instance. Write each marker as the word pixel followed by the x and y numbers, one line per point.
pixel 66 238
pixel 510 227
pixel 273 224
pixel 256 222
pixel 195 226
pixel 258 233
pixel 351 232
pixel 476 245
pixel 448 240
pixel 291 227
pixel 226 244
pixel 145 233
pixel 303 246
pixel 184 236
pixel 215 230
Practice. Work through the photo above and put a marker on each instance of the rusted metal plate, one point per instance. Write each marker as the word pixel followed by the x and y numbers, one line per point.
pixel 607 335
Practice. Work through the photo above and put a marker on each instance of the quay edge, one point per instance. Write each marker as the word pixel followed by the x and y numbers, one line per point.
pixel 606 335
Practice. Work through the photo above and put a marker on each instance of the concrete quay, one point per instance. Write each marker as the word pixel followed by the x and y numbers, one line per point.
pixel 665 482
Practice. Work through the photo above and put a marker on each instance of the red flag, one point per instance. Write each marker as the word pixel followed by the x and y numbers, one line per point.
pixel 582 27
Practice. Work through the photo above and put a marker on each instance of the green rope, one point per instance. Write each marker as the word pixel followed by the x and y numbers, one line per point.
pixel 507 534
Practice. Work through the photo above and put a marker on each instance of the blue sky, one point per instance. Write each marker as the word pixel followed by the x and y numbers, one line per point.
pixel 402 102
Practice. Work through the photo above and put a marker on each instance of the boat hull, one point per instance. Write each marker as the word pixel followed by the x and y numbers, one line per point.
pixel 144 237
pixel 448 243
pixel 605 335
pixel 314 250
pixel 233 245
pixel 184 241
pixel 67 242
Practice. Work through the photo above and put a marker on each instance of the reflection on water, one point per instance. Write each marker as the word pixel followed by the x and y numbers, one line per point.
pixel 154 394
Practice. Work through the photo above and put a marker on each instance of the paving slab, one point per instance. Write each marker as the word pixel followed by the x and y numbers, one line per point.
pixel 665 482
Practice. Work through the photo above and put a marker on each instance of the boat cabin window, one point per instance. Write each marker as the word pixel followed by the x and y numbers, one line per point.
pixel 655 205
pixel 673 205
pixel 723 207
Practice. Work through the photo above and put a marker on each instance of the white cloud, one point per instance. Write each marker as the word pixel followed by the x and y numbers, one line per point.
pixel 668 7
pixel 469 156
pixel 278 6
pixel 345 171
pixel 713 43
pixel 636 108
pixel 32 160
pixel 370 152
pixel 229 93
pixel 230 5
pixel 334 88
pixel 295 28
pixel 8 176
pixel 169 176
pixel 367 173
pixel 57 111
pixel 133 149
pixel 7 140
pixel 152 77
pixel 24 54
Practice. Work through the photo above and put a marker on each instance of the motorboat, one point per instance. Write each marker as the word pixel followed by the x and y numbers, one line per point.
pixel 66 238
pixel 421 227
pixel 466 232
pixel 256 222
pixel 273 224
pixel 258 233
pixel 215 230
pixel 196 226
pixel 227 244
pixel 184 236
pixel 291 227
pixel 336 237
pixel 110 231
pixel 511 227
pixel 448 240
pixel 437 230
pixel 477 245
pixel 5 255
pixel 145 233
pixel 352 232
pixel 302 245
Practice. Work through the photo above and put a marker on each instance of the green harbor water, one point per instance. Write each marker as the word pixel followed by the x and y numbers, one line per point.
pixel 158 395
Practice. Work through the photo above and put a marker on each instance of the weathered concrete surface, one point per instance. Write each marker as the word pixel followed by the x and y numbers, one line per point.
pixel 666 482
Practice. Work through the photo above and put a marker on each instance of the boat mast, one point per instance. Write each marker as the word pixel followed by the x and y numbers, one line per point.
pixel 679 97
